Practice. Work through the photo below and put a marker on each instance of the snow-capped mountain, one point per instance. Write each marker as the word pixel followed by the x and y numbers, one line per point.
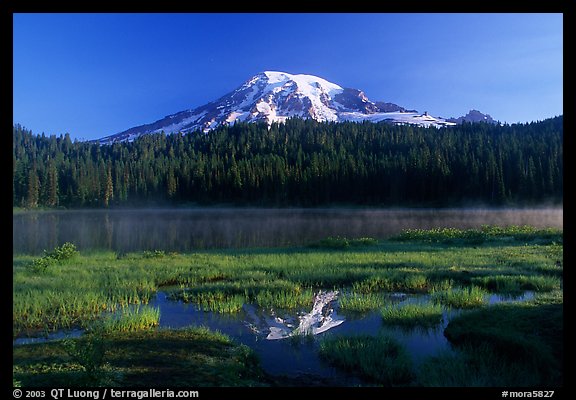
pixel 273 96
pixel 473 116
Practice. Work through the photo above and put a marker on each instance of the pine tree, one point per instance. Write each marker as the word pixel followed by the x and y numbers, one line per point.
pixel 33 194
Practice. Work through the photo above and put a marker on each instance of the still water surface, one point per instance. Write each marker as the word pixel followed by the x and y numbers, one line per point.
pixel 297 357
pixel 190 229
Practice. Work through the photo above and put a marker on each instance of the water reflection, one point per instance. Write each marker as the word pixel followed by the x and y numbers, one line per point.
pixel 190 229
pixel 297 355
pixel 322 318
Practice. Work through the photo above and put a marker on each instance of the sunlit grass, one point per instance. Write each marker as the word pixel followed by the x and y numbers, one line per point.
pixel 132 319
pixel 488 233
pixel 219 302
pixel 79 291
pixel 354 302
pixel 296 298
pixel 102 288
pixel 469 297
pixel 517 283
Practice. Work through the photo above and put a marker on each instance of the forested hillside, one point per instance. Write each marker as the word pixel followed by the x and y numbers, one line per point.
pixel 299 163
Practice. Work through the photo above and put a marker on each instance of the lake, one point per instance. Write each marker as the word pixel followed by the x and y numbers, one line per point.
pixel 185 230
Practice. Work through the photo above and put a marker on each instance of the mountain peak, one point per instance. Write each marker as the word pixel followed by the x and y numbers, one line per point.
pixel 274 96
pixel 473 116
pixel 277 76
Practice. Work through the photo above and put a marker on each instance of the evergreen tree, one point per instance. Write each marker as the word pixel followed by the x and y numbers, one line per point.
pixel 299 163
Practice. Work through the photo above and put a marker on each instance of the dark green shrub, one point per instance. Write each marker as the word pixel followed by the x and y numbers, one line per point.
pixel 59 254
pixel 64 252
pixel 153 254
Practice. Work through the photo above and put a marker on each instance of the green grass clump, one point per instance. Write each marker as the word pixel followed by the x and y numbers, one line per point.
pixel 468 297
pixel 378 358
pixel 56 256
pixel 220 302
pixel 284 299
pixel 393 280
pixel 517 283
pixel 374 284
pixel 132 319
pixel 412 315
pixel 354 302
pixel 64 252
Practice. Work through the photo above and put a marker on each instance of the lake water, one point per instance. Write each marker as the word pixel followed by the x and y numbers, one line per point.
pixel 190 229
pixel 297 357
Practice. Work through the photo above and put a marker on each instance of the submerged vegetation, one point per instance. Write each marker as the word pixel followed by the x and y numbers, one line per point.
pixel 107 294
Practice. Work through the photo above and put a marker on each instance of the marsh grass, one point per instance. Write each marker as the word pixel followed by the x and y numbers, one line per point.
pixel 467 297
pixel 219 302
pixel 474 366
pixel 89 352
pixel 283 299
pixel 353 302
pixel 74 293
pixel 189 357
pixel 527 336
pixel 413 315
pixel 58 255
pixel 487 233
pixel 378 358
pixel 91 286
pixel 132 319
pixel 517 283
pixel 393 280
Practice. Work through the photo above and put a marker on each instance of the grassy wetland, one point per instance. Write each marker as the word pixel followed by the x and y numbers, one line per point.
pixel 451 274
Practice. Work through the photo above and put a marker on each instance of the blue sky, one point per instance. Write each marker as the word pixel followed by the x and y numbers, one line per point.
pixel 93 75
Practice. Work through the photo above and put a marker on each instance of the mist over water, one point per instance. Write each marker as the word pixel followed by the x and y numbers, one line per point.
pixel 191 229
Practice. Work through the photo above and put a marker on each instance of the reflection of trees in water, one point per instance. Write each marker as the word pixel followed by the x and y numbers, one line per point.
pixel 109 231
pixel 187 230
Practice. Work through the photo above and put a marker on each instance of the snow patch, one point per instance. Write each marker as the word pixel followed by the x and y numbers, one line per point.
pixel 275 96
pixel 322 318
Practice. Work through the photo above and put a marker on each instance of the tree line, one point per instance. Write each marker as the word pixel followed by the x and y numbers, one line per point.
pixel 298 163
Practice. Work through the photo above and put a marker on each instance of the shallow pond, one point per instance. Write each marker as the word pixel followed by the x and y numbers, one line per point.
pixel 188 229
pixel 273 334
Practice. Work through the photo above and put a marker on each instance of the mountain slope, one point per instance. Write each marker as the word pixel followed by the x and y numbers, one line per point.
pixel 273 96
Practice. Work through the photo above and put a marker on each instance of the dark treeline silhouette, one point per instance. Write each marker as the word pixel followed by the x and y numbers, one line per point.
pixel 299 163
